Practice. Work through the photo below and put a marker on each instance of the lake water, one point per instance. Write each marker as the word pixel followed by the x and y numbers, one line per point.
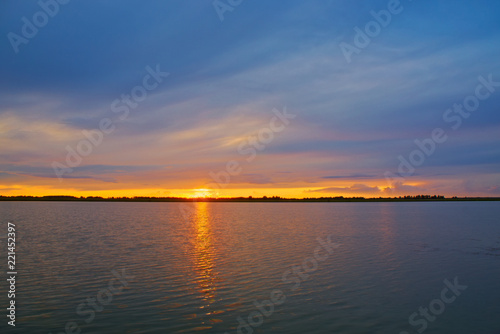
pixel 254 267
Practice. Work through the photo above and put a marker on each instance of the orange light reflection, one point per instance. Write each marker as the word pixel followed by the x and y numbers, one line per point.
pixel 204 254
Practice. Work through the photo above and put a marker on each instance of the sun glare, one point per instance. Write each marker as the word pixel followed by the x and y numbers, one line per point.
pixel 202 193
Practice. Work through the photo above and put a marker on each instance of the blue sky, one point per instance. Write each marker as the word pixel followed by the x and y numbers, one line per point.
pixel 353 119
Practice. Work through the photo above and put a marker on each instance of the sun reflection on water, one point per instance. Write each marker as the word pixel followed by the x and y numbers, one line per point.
pixel 204 254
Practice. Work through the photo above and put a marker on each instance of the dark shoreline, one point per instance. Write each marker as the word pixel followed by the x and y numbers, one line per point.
pixel 245 199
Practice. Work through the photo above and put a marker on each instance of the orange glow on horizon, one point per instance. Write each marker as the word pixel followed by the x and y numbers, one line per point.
pixel 179 193
pixel 329 189
pixel 202 193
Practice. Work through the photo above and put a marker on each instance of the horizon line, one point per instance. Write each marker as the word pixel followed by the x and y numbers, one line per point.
pixel 241 198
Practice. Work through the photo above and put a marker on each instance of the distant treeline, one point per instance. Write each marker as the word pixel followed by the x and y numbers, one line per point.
pixel 247 199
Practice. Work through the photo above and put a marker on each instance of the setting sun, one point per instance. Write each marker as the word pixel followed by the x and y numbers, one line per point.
pixel 203 193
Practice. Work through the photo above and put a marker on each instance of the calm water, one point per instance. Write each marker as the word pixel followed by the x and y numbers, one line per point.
pixel 199 268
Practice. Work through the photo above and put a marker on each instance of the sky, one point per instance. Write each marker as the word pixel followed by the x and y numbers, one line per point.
pixel 250 98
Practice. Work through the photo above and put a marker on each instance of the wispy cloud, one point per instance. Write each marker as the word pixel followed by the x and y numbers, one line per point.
pixel 354 189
